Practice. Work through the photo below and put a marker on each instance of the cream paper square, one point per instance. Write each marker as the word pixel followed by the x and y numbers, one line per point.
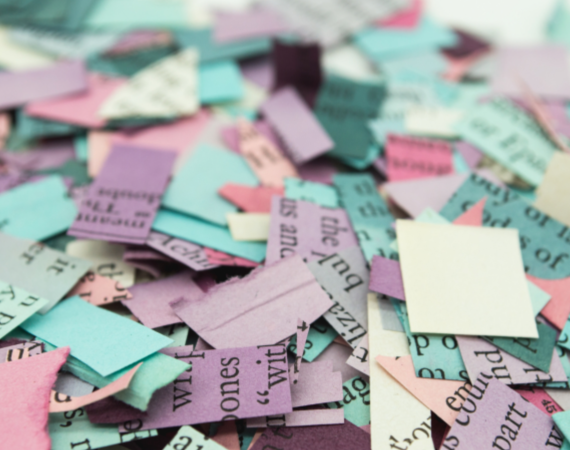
pixel 464 280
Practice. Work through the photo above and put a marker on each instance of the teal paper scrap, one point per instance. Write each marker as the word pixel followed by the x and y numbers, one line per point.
pixel 355 401
pixel 309 191
pixel 219 82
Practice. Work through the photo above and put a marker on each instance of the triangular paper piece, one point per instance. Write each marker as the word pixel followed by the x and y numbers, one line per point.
pixel 166 88
pixel 473 216
pixel 433 393
pixel 250 199
pixel 557 309
pixel 25 389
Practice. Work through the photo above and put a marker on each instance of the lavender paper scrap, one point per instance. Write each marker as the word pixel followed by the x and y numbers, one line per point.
pixel 482 356
pixel 61 79
pixel 260 309
pixel 228 384
pixel 317 384
pixel 254 23
pixel 295 123
pixel 187 253
pixel 496 417
pixel 123 200
pixel 386 277
pixel 150 302
pixel 307 229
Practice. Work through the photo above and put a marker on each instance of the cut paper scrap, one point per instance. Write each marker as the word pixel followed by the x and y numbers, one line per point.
pixel 21 350
pixel 219 82
pixel 473 216
pixel 539 398
pixel 300 342
pixel 57 80
pixel 318 383
pixel 187 253
pixel 268 163
pixel 207 234
pixel 150 302
pixel 320 336
pixel 306 229
pixel 301 418
pixel 321 194
pixel 321 437
pixel 518 425
pixel 166 88
pixel 250 199
pixel 106 259
pixel 557 309
pixel 248 384
pixel 223 259
pixel 444 397
pixel 249 226
pixel 407 18
pixel 386 277
pixel 436 192
pixel 433 121
pixel 253 23
pixel 187 435
pixel 355 402
pixel 92 334
pixel 285 289
pixel 344 277
pixel 57 404
pixel 79 109
pixel 358 359
pixel 482 356
pixel 37 210
pixel 194 188
pixel 554 187
pixel 490 302
pixel 25 385
pixel 536 352
pixel 39 270
pixel 99 290
pixel 16 306
pixel 298 128
pixel 411 158
pixel 122 201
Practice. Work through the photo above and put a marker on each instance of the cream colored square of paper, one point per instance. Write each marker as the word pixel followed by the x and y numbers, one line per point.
pixel 249 226
pixel 464 280
pixel 553 193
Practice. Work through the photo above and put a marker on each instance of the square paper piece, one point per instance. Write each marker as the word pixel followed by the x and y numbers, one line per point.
pixel 464 280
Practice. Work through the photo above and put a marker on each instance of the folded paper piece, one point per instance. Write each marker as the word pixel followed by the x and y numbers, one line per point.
pixel 245 382
pixel 294 122
pixel 249 226
pixel 64 78
pixel 522 425
pixel 302 418
pixel 123 200
pixel 38 269
pixel 167 88
pixel 99 290
pixel 462 292
pixel 306 229
pixel 317 384
pixel 285 289
pixel 187 435
pixel 412 158
pixel 150 302
pixel 481 356
pixel 16 306
pixel 321 194
pixel 187 253
pixel 194 189
pixel 93 333
pixel 344 276
pixel 386 278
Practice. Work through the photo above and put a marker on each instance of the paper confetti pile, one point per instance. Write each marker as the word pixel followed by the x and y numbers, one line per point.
pixel 284 224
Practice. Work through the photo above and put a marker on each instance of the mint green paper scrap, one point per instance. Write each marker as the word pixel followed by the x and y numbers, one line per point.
pixel 72 430
pixel 81 148
pixel 208 234
pixel 563 355
pixel 538 298
pixel 433 355
pixel 382 127
pixel 536 352
pixel 103 340
pixel 562 421
pixel 194 188
pixel 355 402
pixel 361 163
pixel 430 62
pixel 320 336
pixel 16 306
pixel 309 191
pixel 545 242
pixel 510 136
pixel 37 210
pixel 368 213
pixel 219 82
pixel 384 43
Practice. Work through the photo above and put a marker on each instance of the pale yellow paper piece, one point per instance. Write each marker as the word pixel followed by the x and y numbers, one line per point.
pixel 249 226
pixel 99 146
pixel 554 191
pixel 107 259
pixel 16 57
pixel 464 280
pixel 166 88
pixel 432 121
pixel 396 416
